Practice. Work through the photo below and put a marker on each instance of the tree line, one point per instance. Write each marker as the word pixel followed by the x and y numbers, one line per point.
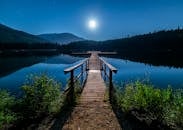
pixel 163 47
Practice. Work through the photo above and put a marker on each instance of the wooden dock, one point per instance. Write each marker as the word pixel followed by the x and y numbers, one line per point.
pixel 92 112
pixel 91 52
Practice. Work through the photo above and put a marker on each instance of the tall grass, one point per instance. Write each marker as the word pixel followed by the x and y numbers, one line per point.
pixel 42 95
pixel 6 103
pixel 163 105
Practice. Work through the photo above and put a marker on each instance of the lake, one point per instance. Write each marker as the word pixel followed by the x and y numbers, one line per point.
pixel 15 70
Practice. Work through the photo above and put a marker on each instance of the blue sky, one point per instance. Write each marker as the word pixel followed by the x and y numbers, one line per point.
pixel 116 18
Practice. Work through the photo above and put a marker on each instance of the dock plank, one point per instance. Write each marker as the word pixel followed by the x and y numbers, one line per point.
pixel 92 112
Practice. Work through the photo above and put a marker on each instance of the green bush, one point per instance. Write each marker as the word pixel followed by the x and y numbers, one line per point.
pixel 6 104
pixel 173 112
pixel 164 105
pixel 77 91
pixel 42 95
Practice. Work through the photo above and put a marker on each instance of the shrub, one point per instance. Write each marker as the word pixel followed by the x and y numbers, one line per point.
pixel 76 93
pixel 141 96
pixel 163 105
pixel 173 112
pixel 77 90
pixel 6 103
pixel 42 95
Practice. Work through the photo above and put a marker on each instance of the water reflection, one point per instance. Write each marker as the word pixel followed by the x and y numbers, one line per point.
pixel 15 70
pixel 159 76
pixel 52 66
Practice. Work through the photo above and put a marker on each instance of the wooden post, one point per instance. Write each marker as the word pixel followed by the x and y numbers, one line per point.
pixel 87 65
pixel 110 85
pixel 101 66
pixel 98 62
pixel 105 72
pixel 71 92
pixel 82 72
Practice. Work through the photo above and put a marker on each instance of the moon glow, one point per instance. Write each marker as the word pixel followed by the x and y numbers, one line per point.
pixel 92 24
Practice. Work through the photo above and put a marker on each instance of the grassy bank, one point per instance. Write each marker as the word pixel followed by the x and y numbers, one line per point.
pixel 163 107
pixel 158 108
pixel 41 98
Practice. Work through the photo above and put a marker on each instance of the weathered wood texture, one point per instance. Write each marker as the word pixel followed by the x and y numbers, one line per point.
pixel 90 52
pixel 94 63
pixel 93 112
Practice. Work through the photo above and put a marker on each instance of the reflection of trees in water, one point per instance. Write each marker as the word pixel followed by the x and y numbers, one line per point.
pixel 170 60
pixel 12 64
pixel 157 60
pixel 160 48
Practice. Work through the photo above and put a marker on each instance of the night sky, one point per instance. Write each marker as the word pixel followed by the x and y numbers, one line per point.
pixel 116 18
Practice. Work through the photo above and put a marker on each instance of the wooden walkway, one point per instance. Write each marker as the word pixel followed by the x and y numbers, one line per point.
pixel 92 112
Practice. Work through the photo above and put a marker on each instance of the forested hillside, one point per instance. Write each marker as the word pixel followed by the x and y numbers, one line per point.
pixel 160 47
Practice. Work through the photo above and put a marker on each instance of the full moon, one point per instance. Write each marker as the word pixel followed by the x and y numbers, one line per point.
pixel 92 24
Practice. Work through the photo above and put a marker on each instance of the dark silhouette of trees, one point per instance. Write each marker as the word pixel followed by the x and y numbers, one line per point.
pixel 6 46
pixel 163 47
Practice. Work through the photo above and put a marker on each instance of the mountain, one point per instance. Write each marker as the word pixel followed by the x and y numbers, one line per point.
pixel 9 35
pixel 61 38
pixel 162 41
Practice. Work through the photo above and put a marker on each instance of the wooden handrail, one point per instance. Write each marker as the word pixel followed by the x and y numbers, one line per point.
pixel 70 90
pixel 75 66
pixel 84 68
pixel 112 68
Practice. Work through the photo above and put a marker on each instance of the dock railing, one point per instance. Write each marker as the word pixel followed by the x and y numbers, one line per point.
pixel 109 74
pixel 105 67
pixel 69 91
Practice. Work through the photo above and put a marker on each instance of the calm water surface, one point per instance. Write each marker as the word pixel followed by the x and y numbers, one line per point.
pixel 14 71
pixel 159 76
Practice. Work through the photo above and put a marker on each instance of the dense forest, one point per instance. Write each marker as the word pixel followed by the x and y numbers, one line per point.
pixel 158 48
pixel 166 41
pixel 23 49
pixel 163 47
pixel 6 46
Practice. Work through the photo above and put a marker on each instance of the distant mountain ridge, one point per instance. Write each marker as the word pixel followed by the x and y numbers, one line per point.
pixel 10 35
pixel 165 41
pixel 61 38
